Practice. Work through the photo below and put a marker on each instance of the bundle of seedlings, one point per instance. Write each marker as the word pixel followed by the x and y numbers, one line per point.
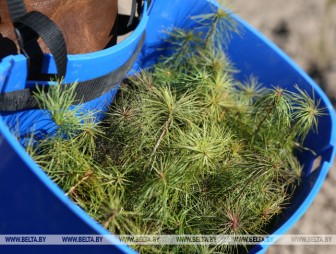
pixel 185 148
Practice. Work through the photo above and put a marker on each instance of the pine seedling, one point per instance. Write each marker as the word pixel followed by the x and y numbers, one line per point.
pixel 204 147
pixel 88 132
pixel 185 148
pixel 66 155
pixel 115 218
pixel 160 196
pixel 237 172
pixel 114 178
pixel 215 60
pixel 179 222
pixel 122 125
pixel 164 107
pixel 181 46
pixel 306 111
pixel 220 26
pixel 234 218
pixel 218 95
pixel 250 89
pixel 57 101
pixel 274 108
pixel 271 203
pixel 76 123
pixel 162 112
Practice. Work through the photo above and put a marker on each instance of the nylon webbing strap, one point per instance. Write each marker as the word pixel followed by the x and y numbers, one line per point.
pixel 85 91
pixel 29 26
pixel 16 9
pixel 49 33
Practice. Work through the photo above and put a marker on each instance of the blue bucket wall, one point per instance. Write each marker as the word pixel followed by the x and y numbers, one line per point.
pixel 32 204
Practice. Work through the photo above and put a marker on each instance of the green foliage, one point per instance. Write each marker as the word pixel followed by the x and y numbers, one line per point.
pixel 185 148
pixel 306 112
pixel 221 26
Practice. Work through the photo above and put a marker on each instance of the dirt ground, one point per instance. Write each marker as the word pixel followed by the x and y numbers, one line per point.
pixel 306 31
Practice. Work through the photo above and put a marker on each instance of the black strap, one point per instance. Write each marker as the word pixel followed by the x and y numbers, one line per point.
pixel 16 8
pixel 29 26
pixel 85 91
pixel 33 25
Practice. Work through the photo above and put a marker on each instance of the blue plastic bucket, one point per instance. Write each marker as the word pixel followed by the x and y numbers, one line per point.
pixel 32 204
